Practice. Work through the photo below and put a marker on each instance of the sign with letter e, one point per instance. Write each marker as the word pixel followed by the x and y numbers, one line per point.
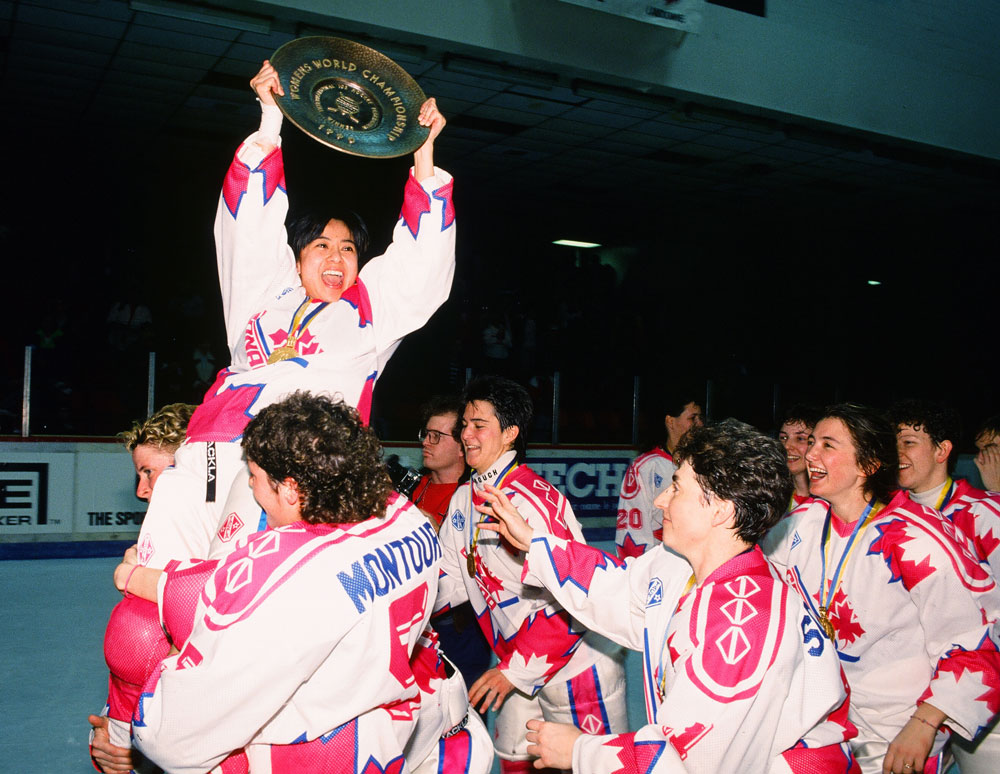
pixel 24 494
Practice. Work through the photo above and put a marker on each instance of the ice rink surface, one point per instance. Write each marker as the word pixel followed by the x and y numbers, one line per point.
pixel 52 675
pixel 52 618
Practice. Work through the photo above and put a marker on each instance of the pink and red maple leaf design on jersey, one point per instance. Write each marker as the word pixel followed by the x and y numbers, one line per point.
pixel 576 564
pixel 238 177
pixel 305 345
pixel 417 202
pixel 982 664
pixel 841 615
pixel 630 548
pixel 636 757
pixel 891 542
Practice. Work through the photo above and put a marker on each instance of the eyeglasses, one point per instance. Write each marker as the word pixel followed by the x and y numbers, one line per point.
pixel 434 436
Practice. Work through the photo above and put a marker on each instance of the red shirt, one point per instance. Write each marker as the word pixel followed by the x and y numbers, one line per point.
pixel 434 498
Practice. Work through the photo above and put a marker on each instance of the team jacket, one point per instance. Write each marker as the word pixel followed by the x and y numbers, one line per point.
pixel 346 344
pixel 532 636
pixel 310 612
pixel 737 675
pixel 977 513
pixel 640 523
pixel 908 615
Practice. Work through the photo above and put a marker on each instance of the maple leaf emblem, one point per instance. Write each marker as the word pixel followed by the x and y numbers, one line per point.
pixel 635 757
pixel 577 564
pixel 488 583
pixel 629 548
pixel 987 544
pixel 279 337
pixel 841 615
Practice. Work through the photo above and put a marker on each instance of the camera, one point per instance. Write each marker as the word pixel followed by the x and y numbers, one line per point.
pixel 404 479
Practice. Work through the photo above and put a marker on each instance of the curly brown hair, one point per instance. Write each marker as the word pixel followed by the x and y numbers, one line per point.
pixel 165 430
pixel 323 446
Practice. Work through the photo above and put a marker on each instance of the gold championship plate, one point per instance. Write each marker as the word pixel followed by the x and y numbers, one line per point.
pixel 350 97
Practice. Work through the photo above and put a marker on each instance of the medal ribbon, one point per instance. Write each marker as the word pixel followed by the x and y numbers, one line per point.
pixel 474 529
pixel 859 527
pixel 298 325
pixel 949 490
pixel 662 684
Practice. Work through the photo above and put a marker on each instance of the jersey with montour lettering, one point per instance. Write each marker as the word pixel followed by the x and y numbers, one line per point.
pixel 340 347
pixel 640 523
pixel 908 614
pixel 532 637
pixel 304 633
pixel 737 674
pixel 977 513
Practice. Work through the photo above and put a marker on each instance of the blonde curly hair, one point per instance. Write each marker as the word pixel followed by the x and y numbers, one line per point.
pixel 165 430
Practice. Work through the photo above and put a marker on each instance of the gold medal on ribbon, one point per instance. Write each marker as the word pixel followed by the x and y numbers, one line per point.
pixel 282 353
pixel 824 621
pixel 470 562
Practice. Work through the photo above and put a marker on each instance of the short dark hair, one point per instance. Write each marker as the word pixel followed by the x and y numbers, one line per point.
pixel 734 461
pixel 940 422
pixel 991 427
pixel 310 224
pixel 801 413
pixel 511 403
pixel 673 406
pixel 438 405
pixel 875 447
pixel 325 448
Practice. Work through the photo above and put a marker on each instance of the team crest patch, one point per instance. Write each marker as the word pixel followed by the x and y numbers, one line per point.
pixel 654 593
pixel 146 550
pixel 796 539
pixel 232 525
pixel 458 520
pixel 657 481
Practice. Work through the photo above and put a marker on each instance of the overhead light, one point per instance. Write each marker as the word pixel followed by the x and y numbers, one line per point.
pixel 874 283
pixel 574 243
pixel 216 16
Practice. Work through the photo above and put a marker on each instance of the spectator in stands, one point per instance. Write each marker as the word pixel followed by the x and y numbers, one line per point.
pixel 988 458
pixel 794 436
pixel 639 524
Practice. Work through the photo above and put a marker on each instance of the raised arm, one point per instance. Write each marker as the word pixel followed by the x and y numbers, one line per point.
pixel 423 158
pixel 254 260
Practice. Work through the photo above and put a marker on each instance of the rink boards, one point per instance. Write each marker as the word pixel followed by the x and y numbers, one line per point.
pixel 81 492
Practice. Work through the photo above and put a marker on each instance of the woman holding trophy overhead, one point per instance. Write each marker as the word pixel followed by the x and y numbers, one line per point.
pixel 303 310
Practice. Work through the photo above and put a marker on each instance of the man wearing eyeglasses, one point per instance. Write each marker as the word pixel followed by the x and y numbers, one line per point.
pixel 444 459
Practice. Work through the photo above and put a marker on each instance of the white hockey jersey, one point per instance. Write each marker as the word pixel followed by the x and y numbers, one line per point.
pixel 640 524
pixel 908 616
pixel 737 675
pixel 977 513
pixel 532 637
pixel 304 633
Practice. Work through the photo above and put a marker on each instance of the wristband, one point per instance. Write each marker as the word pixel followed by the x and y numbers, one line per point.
pixel 914 716
pixel 270 123
pixel 130 574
